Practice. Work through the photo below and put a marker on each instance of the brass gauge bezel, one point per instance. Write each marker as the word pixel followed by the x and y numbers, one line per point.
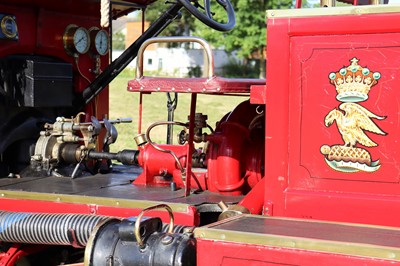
pixel 3 25
pixel 70 42
pixel 94 34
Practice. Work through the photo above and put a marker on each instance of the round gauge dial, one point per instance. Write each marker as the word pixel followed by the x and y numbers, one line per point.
pixel 9 27
pixel 101 41
pixel 76 40
pixel 81 40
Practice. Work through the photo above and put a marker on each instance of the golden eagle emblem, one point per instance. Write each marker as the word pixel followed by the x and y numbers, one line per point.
pixel 353 84
pixel 353 122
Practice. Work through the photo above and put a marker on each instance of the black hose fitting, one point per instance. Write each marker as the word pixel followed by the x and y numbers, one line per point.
pixel 126 157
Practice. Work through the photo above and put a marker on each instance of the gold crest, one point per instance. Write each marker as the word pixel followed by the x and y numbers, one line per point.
pixel 353 84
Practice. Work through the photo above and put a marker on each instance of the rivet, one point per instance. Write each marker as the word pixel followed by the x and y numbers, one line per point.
pixel 167 239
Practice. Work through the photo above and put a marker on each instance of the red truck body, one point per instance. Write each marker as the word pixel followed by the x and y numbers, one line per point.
pixel 303 173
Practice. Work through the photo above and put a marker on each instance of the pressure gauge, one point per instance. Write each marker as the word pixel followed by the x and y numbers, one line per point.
pixel 99 41
pixel 76 40
pixel 8 27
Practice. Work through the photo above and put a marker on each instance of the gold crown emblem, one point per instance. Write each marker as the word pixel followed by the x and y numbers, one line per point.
pixel 353 82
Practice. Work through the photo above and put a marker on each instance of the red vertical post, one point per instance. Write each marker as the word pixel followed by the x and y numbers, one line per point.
pixel 140 113
pixel 190 146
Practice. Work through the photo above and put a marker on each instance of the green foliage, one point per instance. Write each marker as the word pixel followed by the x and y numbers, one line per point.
pixel 249 34
pixel 306 4
pixel 180 27
pixel 248 38
pixel 118 41
pixel 235 69
pixel 195 72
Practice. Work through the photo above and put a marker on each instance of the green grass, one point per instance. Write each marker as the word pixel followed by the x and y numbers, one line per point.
pixel 126 104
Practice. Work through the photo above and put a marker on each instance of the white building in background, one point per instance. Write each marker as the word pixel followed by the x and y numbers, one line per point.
pixel 177 62
pixel 174 62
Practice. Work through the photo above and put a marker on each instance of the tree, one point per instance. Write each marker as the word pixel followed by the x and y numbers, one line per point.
pixel 248 38
pixel 180 27
pixel 118 41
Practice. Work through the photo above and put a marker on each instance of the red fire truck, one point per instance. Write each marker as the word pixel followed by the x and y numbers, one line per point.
pixel 304 172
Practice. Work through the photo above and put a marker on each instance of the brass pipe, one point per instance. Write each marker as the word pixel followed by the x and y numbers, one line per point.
pixel 328 3
pixel 376 2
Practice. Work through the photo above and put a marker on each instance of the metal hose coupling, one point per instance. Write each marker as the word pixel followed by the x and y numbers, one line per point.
pixel 140 240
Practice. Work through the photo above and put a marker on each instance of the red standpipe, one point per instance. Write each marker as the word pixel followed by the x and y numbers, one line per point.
pixel 230 155
pixel 226 178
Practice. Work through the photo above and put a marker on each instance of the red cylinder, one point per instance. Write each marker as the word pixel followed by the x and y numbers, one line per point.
pixel 235 151
pixel 157 163
pixel 227 178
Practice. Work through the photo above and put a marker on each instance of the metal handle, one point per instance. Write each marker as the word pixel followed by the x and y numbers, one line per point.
pixel 202 42
pixel 140 216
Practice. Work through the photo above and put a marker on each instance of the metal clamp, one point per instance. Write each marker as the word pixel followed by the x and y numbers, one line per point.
pixel 202 42
pixel 140 216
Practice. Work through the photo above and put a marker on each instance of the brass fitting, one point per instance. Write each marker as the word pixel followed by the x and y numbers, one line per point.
pixel 230 211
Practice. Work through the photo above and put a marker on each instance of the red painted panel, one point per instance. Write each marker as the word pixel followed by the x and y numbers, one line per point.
pixel 210 253
pixel 257 94
pixel 276 116
pixel 41 33
pixel 301 102
pixel 315 97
